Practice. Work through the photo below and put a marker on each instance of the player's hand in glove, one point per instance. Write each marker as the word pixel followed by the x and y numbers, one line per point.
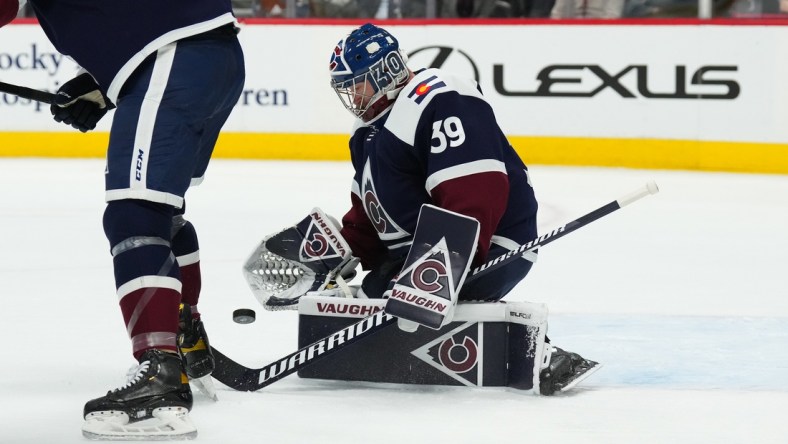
pixel 80 103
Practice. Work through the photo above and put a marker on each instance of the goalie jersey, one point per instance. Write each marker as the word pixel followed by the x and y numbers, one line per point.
pixel 439 143
pixel 136 28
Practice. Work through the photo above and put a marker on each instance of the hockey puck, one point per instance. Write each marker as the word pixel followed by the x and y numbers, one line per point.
pixel 244 316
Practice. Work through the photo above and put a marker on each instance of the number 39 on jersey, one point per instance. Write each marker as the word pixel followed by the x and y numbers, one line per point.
pixel 447 133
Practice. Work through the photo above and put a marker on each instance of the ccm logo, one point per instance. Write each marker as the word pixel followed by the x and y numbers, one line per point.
pixel 552 75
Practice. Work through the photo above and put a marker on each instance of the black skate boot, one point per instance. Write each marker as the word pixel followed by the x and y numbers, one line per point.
pixel 195 350
pixel 153 404
pixel 565 370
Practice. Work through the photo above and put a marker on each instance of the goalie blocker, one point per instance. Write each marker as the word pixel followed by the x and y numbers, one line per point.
pixel 491 344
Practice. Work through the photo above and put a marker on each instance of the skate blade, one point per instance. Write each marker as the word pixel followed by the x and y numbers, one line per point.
pixel 581 377
pixel 167 423
pixel 206 387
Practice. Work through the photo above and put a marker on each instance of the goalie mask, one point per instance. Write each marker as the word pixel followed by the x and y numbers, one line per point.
pixel 367 71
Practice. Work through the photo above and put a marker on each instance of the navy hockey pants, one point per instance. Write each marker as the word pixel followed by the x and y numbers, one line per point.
pixel 169 114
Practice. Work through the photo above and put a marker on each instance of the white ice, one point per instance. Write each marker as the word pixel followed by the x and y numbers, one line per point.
pixel 682 295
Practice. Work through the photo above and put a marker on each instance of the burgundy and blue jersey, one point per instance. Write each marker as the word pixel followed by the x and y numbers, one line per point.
pixel 111 38
pixel 440 144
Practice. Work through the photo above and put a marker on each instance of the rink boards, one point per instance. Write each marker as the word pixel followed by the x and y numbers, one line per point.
pixel 666 95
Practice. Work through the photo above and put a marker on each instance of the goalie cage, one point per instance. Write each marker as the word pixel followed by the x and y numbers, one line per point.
pixel 488 344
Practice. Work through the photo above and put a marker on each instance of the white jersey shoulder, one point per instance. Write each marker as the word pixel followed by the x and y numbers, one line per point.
pixel 419 93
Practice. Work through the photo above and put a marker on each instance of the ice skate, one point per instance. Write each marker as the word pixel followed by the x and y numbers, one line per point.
pixel 195 350
pixel 154 404
pixel 564 371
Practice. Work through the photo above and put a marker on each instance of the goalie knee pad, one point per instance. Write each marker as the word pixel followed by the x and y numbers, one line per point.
pixel 305 257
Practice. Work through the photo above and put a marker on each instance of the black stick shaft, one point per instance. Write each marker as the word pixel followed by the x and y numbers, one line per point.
pixel 27 93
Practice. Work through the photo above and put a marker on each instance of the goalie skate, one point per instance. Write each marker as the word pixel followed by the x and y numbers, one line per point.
pixel 152 405
pixel 564 371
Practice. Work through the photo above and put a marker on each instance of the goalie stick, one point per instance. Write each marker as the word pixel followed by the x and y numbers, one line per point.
pixel 28 93
pixel 239 377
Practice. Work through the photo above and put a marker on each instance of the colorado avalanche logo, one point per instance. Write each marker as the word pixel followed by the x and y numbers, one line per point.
pixel 457 353
pixel 459 357
pixel 386 227
pixel 430 276
pixel 431 273
pixel 316 245
pixel 377 216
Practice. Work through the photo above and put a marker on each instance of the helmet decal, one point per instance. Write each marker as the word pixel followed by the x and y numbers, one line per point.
pixel 338 64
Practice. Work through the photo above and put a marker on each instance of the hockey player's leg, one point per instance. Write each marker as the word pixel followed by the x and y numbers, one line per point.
pixel 193 342
pixel 195 350
pixel 153 404
pixel 157 395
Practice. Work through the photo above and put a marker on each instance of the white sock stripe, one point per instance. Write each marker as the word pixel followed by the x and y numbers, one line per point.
pixel 149 282
pixel 136 242
pixel 156 339
pixel 188 259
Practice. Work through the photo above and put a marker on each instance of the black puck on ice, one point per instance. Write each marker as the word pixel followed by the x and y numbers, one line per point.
pixel 244 316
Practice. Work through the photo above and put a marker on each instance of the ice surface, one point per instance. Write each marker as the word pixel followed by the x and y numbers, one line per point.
pixel 683 296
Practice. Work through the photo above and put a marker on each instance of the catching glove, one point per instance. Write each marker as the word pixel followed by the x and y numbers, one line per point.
pixel 80 103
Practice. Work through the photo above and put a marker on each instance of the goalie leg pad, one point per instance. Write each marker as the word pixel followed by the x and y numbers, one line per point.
pixel 486 345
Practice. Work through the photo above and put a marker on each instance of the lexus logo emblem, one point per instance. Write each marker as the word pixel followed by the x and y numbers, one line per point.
pixel 446 57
